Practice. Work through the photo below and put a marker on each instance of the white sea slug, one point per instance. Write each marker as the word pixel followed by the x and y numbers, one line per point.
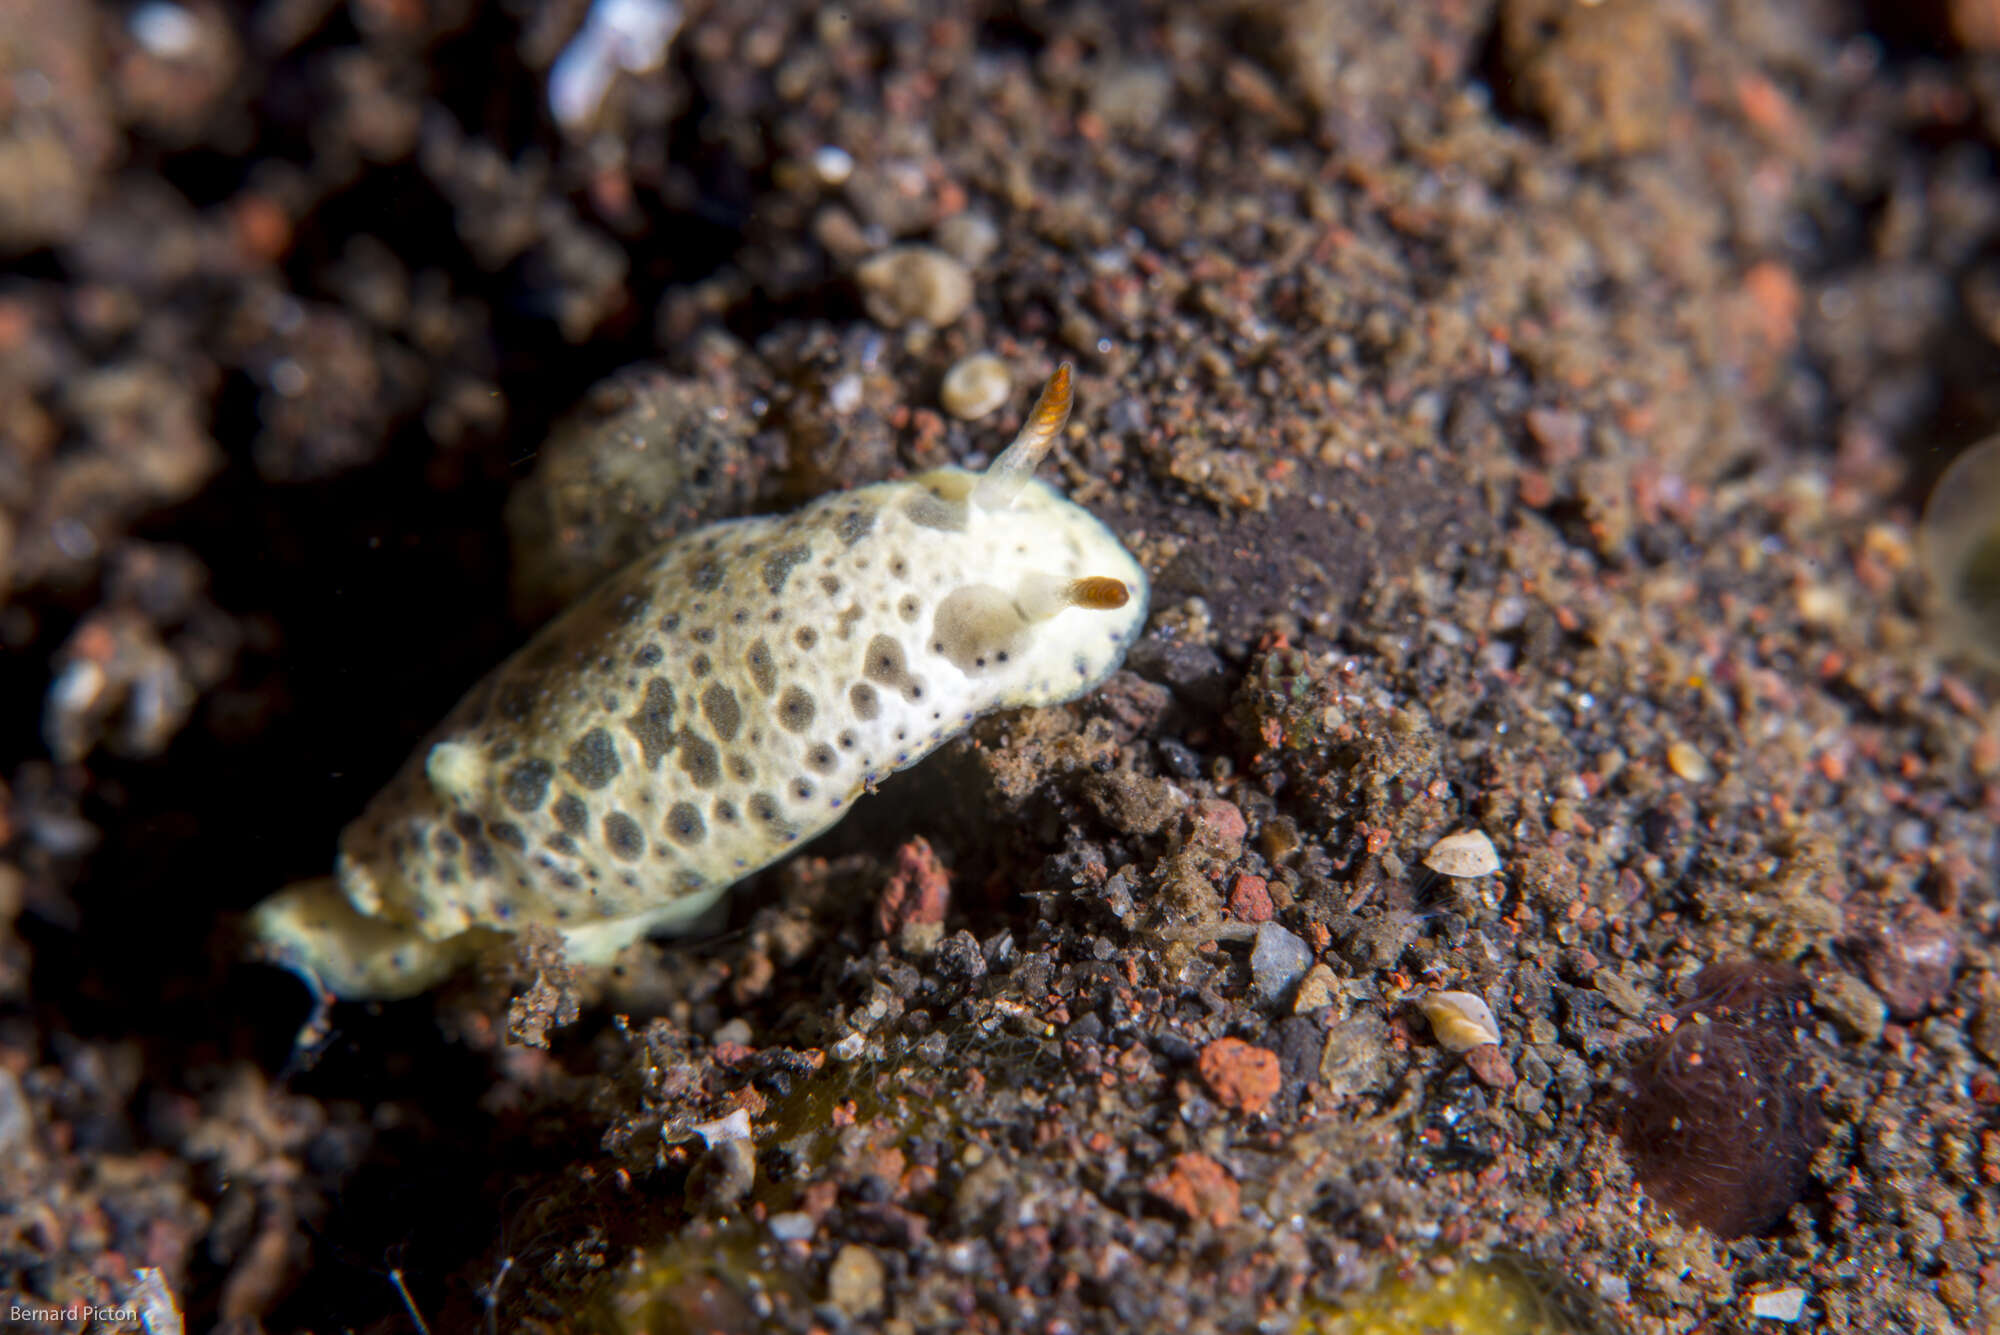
pixel 709 708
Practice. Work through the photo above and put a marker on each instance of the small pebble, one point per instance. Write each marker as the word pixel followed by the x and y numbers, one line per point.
pixel 15 1119
pixel 1785 1305
pixel 725 1176
pixel 1985 1029
pixel 1250 899
pixel 1460 1020
pixel 1241 1075
pixel 1612 986
pixel 1911 959
pixel 165 30
pixel 1463 855
pixel 1490 1066
pixel 1315 990
pixel 1851 1004
pixel 1199 1188
pixel 975 386
pixel 844 394
pixel 1689 763
pixel 792 1226
pixel 1355 1059
pixel 1220 824
pixel 832 164
pixel 1558 435
pixel 854 1283
pixel 914 284
pixel 1277 961
pixel 154 1297
pixel 972 237
pixel 736 1126
pixel 967 1257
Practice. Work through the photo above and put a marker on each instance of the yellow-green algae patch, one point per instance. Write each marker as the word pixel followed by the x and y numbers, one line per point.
pixel 1496 1297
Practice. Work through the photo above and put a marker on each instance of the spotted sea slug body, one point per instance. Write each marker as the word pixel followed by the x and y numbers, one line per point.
pixel 709 708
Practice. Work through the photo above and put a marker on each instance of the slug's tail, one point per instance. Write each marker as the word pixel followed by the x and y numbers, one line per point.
pixel 310 928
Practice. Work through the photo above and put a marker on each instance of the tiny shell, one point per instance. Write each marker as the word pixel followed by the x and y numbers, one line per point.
pixel 1687 762
pixel 1460 1020
pixel 975 386
pixel 1463 855
pixel 914 285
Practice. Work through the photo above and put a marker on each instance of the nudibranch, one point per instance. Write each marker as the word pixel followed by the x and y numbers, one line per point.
pixel 708 709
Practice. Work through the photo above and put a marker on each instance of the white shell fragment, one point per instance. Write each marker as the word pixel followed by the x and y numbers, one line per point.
pixel 1460 1020
pixel 1463 855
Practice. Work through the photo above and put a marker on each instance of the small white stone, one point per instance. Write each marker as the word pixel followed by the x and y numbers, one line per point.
pixel 736 1126
pixel 847 1049
pixel 832 164
pixel 844 394
pixel 166 30
pixel 792 1226
pixel 1460 1020
pixel 1463 855
pixel 1785 1305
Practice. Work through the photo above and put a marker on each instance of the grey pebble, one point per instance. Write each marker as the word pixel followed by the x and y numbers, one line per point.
pixel 1355 1058
pixel 1277 961
pixel 1851 1004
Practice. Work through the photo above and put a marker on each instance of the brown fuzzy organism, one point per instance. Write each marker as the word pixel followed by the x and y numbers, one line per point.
pixel 1719 1119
